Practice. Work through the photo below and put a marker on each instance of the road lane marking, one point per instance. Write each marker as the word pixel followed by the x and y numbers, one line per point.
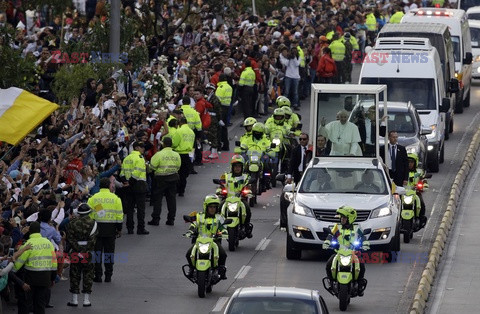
pixel 242 272
pixel 263 244
pixel 277 223
pixel 220 304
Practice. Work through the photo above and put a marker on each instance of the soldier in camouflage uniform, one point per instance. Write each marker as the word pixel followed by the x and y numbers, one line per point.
pixel 81 236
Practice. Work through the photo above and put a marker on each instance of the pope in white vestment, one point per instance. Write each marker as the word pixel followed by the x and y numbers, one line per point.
pixel 343 134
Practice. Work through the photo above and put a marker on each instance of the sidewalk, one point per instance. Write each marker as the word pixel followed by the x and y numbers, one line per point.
pixel 457 288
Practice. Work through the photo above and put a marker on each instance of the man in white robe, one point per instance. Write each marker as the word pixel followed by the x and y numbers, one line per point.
pixel 343 134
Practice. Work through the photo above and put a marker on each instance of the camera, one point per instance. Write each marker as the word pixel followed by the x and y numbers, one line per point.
pixel 10 252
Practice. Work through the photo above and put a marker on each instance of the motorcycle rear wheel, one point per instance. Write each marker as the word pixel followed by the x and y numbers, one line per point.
pixel 407 234
pixel 201 283
pixel 343 297
pixel 232 238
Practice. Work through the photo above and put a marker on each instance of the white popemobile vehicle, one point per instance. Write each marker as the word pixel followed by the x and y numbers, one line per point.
pixel 328 182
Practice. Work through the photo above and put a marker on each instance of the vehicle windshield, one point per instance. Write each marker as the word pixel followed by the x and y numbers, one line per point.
pixel 465 5
pixel 475 35
pixel 344 180
pixel 419 91
pixel 474 16
pixel 265 305
pixel 403 122
pixel 456 48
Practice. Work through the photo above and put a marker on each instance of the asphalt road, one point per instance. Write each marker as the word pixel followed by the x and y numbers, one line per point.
pixel 149 279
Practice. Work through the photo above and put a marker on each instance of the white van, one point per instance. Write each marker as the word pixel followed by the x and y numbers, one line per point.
pixel 457 22
pixel 475 36
pixel 473 13
pixel 412 71
pixel 467 4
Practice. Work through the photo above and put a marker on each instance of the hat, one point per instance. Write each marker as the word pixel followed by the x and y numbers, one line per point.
pixel 347 35
pixel 276 34
pixel 297 35
pixel 227 71
pixel 83 209
pixel 264 49
pixel 210 86
pixel 323 38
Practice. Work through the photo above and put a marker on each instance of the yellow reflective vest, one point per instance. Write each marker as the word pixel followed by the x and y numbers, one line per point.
pixel 396 17
pixel 301 55
pixel 41 257
pixel 224 93
pixel 106 207
pixel 166 162
pixel 338 50
pixel 330 35
pixel 247 78
pixel 133 166
pixel 353 41
pixel 371 22
pixel 192 116
pixel 187 139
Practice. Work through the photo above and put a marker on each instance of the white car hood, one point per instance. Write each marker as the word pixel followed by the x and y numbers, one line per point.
pixel 335 200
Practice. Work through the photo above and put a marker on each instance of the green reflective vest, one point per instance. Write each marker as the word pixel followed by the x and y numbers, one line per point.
pixel 397 17
pixel 166 162
pixel 106 207
pixel 240 181
pixel 371 22
pixel 439 2
pixel 187 139
pixel 330 35
pixel 41 257
pixel 133 166
pixel 247 78
pixel 301 55
pixel 353 41
pixel 192 116
pixel 338 50
pixel 224 93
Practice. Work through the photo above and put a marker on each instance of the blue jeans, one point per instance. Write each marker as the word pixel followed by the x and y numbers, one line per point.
pixel 291 87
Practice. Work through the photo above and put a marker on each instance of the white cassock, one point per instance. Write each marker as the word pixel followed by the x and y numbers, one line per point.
pixel 344 138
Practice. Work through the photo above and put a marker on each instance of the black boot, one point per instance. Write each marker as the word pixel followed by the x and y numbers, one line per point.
pixel 222 271
pixel 190 272
pixel 248 230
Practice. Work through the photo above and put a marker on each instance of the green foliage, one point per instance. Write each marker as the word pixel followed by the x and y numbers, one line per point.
pixel 16 71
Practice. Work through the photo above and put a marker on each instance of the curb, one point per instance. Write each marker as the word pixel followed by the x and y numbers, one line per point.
pixel 430 270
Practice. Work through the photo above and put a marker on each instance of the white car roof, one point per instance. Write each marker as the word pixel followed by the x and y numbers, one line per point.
pixel 345 162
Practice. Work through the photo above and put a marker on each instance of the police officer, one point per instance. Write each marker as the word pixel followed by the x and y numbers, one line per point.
pixel 166 164
pixel 134 171
pixel 108 213
pixel 195 123
pixel 40 263
pixel 246 89
pixel 81 236
pixel 216 120
pixel 338 54
pixel 224 94
pixel 187 140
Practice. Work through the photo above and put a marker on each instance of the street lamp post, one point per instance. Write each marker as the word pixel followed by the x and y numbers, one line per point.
pixel 114 45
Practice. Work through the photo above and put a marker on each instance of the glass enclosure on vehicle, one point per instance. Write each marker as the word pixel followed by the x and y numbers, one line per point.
pixel 267 305
pixel 344 180
pixel 339 131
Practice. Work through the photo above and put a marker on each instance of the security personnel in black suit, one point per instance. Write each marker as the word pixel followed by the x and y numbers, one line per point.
pixel 399 159
pixel 299 159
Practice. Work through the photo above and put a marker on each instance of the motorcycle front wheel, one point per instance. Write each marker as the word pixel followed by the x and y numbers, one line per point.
pixel 407 234
pixel 202 283
pixel 343 297
pixel 232 238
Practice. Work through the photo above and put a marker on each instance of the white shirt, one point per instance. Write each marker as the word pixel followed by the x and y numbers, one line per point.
pixel 292 67
pixel 302 156
pixel 344 138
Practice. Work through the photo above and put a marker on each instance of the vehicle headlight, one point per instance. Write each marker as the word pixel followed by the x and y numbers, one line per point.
pixel 232 207
pixel 345 260
pixel 381 212
pixel 413 149
pixel 276 141
pixel 302 210
pixel 408 199
pixel 434 131
pixel 203 248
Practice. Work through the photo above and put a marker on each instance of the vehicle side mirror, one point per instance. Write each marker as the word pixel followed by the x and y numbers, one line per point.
pixel 237 143
pixel 217 181
pixel 227 221
pixel 425 131
pixel 445 105
pixel 367 231
pixel 400 190
pixel 280 177
pixel 427 175
pixel 468 58
pixel 453 85
pixel 288 188
pixel 188 218
pixel 273 145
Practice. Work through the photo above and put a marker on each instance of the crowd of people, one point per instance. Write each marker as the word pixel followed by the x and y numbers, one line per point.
pixel 219 68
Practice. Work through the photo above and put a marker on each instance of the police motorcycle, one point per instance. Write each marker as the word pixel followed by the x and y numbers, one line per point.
pixel 204 257
pixel 233 209
pixel 345 271
pixel 411 206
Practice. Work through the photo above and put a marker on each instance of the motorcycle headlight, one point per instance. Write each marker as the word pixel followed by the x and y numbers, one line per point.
pixel 302 210
pixel 203 248
pixel 356 244
pixel 381 212
pixel 276 141
pixel 345 260
pixel 413 149
pixel 232 207
pixel 254 158
pixel 408 200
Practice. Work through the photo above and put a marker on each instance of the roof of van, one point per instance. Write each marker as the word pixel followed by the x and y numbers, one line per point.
pixel 474 10
pixel 459 14
pixel 436 28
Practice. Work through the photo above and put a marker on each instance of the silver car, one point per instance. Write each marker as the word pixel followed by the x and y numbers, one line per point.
pixel 268 300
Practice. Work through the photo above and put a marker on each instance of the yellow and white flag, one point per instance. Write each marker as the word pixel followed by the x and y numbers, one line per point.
pixel 20 113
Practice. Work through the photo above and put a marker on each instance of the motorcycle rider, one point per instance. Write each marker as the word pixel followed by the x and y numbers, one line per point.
pixel 248 125
pixel 283 102
pixel 277 122
pixel 346 234
pixel 209 222
pixel 415 175
pixel 293 120
pixel 235 181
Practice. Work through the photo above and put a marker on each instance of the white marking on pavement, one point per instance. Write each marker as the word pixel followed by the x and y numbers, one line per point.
pixel 452 247
pixel 277 223
pixel 242 272
pixel 260 244
pixel 220 304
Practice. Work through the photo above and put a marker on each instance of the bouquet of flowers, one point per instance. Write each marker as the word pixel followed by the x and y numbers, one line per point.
pixel 159 85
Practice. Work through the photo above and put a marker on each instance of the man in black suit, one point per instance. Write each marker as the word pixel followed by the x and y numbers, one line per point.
pixel 397 159
pixel 322 146
pixel 299 159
